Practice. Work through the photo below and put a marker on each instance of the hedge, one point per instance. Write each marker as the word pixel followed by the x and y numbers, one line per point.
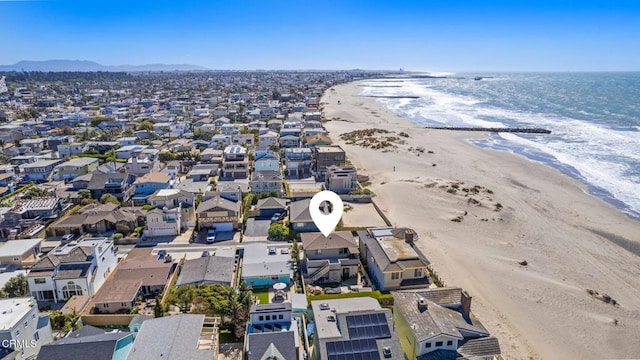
pixel 384 299
pixel 31 184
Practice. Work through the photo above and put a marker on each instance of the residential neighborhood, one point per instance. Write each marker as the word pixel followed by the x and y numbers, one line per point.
pixel 166 216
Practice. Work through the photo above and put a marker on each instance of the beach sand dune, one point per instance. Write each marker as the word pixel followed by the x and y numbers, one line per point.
pixel 570 240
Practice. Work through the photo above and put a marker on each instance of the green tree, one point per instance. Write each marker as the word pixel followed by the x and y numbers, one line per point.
pixel 145 125
pixel 295 252
pixel 158 311
pixel 84 193
pixel 35 192
pixel 99 119
pixel 105 198
pixel 278 231
pixel 16 286
pixel 182 297
pixel 64 322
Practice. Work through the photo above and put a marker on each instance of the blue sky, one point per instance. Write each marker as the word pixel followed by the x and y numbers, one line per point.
pixel 437 35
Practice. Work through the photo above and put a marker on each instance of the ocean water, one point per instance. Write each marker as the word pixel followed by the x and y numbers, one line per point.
pixel 594 120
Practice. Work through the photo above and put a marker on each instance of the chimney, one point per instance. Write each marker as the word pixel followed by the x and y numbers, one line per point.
pixel 409 235
pixel 422 304
pixel 465 301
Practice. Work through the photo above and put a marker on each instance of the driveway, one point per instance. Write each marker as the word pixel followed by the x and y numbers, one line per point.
pixel 257 227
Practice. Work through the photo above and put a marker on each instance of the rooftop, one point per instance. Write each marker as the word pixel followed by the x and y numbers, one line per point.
pixel 13 310
pixel 81 161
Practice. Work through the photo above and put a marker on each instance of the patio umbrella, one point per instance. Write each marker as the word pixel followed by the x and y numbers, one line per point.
pixel 279 286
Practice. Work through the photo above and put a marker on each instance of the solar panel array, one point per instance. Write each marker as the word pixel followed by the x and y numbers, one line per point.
pixel 368 326
pixel 353 350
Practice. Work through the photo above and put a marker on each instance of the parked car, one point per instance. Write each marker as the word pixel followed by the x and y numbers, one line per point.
pixel 276 217
pixel 68 237
pixel 272 251
pixel 284 251
pixel 211 236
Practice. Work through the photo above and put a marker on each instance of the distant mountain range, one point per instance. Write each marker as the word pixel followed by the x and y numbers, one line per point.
pixel 84 65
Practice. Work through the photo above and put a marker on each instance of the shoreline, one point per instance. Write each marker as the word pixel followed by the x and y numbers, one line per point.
pixel 570 239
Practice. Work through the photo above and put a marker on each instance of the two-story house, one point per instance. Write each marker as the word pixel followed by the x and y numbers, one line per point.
pixel 23 329
pixel 341 179
pixel 219 213
pixel 75 167
pixel 354 328
pixel 28 212
pixel 333 258
pixel 72 149
pixel 325 156
pixel 119 185
pixel 392 260
pixel 172 212
pixel 273 332
pixel 141 164
pixel 297 162
pixel 76 268
pixel 439 321
pixel 148 184
pixel 235 163
pixel 40 171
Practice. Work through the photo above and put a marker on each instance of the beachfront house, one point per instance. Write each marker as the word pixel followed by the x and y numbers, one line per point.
pixel 326 156
pixel 333 258
pixel 391 258
pixel 438 323
pixel 341 179
pixel 356 328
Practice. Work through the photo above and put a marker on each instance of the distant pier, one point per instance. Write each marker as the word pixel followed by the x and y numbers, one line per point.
pixel 490 129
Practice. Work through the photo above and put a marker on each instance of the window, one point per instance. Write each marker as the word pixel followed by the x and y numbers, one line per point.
pixel 16 259
pixel 17 332
pixel 123 304
pixel 275 278
pixel 105 305
pixel 344 251
pixel 261 318
pixel 417 273
pixel 71 289
pixel 36 336
pixel 438 343
pixel 395 275
pixel 449 342
pixel 427 345
pixel 319 251
pixel 280 317
pixel 33 316
pixel 40 280
pixel 268 317
pixel 26 324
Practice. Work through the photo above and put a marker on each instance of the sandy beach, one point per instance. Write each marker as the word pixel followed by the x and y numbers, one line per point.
pixel 481 213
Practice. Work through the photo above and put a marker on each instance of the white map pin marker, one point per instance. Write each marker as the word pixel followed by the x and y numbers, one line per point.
pixel 326 223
